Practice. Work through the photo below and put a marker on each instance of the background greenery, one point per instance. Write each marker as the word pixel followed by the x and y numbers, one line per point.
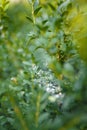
pixel 43 65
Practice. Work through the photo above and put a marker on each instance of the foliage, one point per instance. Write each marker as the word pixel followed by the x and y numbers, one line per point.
pixel 43 71
pixel 3 18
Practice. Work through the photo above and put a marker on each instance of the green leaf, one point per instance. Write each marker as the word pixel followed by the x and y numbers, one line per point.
pixel 45 21
pixel 43 117
pixel 37 10
pixel 30 19
pixel 51 6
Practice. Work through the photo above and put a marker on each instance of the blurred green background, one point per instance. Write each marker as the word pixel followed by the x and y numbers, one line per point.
pixel 43 65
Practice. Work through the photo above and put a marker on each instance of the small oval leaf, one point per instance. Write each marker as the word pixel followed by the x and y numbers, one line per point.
pixel 29 19
pixel 37 10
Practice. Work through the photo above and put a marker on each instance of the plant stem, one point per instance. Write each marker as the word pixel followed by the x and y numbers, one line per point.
pixel 33 16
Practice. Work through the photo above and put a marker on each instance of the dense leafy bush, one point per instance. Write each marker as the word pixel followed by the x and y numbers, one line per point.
pixel 43 71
